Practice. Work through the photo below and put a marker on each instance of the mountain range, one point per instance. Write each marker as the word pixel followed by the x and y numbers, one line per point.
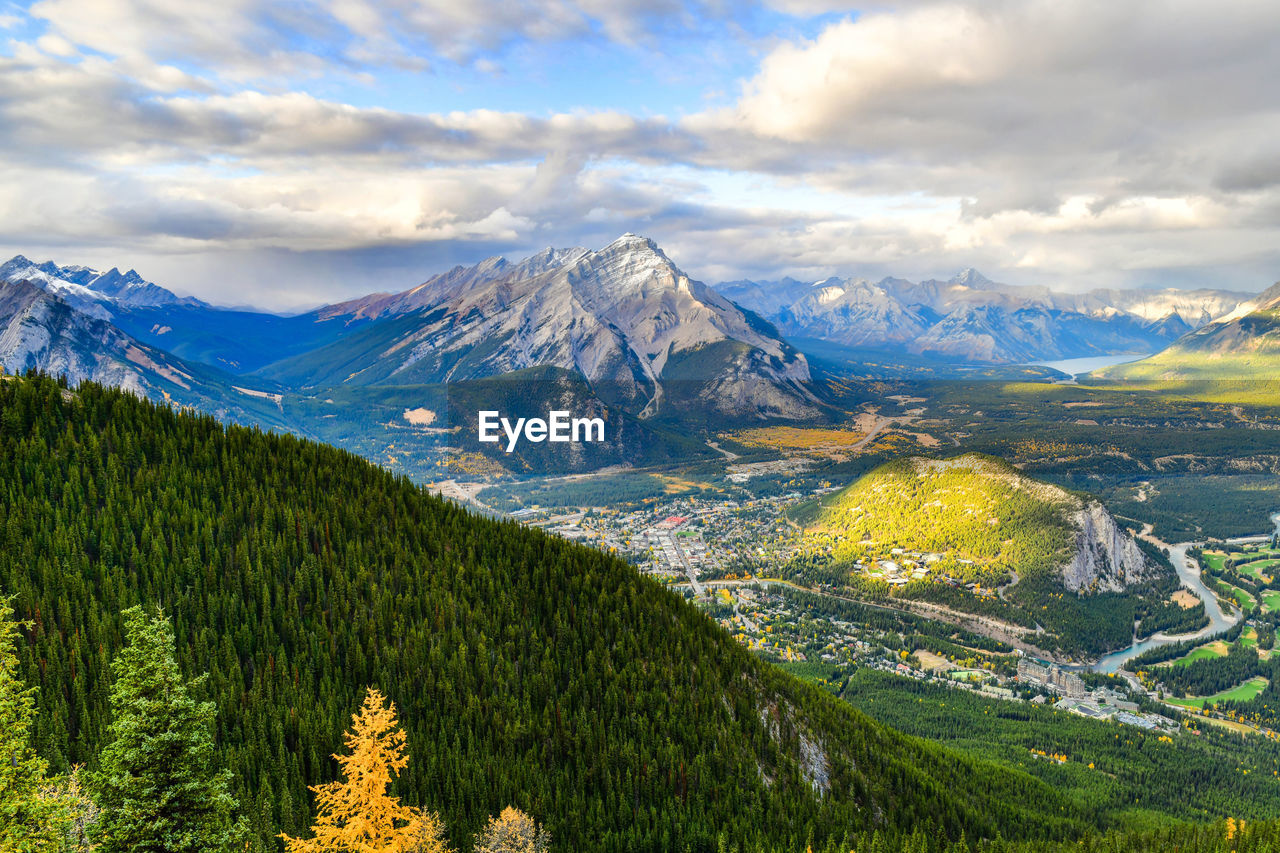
pixel 625 318
pixel 47 326
pixel 970 318
pixel 651 344
pixel 1243 344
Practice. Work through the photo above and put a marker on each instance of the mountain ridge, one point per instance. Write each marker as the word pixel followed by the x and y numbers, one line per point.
pixel 527 669
pixel 1243 345
pixel 618 316
pixel 972 318
pixel 90 289
pixel 40 330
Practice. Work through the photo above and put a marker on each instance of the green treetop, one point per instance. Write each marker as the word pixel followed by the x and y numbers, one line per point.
pixel 158 787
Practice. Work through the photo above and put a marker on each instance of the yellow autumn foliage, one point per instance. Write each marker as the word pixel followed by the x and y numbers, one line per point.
pixel 357 814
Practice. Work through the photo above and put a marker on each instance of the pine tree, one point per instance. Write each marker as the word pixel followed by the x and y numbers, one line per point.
pixel 157 786
pixel 358 814
pixel 29 821
pixel 513 831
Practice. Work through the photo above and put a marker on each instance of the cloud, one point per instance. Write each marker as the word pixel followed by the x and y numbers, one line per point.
pixel 88 110
pixel 256 39
pixel 1098 142
pixel 1104 95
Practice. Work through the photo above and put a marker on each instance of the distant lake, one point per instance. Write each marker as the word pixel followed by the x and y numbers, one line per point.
pixel 1073 366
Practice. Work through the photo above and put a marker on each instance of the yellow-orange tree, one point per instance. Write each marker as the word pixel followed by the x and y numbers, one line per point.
pixel 357 813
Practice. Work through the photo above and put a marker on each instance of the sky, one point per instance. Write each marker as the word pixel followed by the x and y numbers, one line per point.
pixel 287 154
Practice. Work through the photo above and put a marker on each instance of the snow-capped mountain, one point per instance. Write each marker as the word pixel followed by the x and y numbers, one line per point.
pixel 42 330
pixel 448 285
pixel 92 291
pixel 1243 345
pixel 624 317
pixel 854 313
pixel 972 318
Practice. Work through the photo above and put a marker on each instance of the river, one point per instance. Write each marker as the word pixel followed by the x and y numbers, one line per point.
pixel 1189 574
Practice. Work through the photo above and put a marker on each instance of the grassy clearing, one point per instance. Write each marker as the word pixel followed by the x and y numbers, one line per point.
pixel 1270 600
pixel 930 661
pixel 1252 571
pixel 1260 568
pixel 1240 693
pixel 1214 560
pixel 1236 594
pixel 798 438
pixel 1244 599
pixel 1230 725
pixel 1216 649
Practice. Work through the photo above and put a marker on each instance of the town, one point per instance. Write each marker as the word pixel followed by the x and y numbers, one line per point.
pixel 685 539
pixel 715 552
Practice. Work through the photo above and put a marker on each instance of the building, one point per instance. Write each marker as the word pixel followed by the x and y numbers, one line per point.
pixel 1051 676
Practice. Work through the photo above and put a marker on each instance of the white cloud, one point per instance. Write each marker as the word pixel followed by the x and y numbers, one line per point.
pixel 258 39
pixel 1108 142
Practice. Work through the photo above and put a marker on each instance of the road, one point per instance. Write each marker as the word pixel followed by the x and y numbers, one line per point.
pixel 1014 635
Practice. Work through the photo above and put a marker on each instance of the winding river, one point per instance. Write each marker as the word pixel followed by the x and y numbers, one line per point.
pixel 1189 574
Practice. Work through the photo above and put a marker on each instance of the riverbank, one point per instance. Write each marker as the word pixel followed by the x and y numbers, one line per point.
pixel 1189 574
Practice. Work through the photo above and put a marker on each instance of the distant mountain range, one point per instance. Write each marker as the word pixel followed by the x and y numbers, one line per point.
pixel 970 318
pixel 92 291
pixel 68 330
pixel 1244 344
pixel 649 342
pixel 625 318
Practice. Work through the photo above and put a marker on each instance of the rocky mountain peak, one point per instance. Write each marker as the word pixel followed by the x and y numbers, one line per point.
pixel 548 259
pixel 628 268
pixel 16 262
pixel 630 242
pixel 84 286
pixel 969 277
pixel 1269 298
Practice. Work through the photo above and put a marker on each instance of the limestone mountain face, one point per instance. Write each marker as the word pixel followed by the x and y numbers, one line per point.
pixel 44 332
pixel 624 317
pixel 445 286
pixel 1107 557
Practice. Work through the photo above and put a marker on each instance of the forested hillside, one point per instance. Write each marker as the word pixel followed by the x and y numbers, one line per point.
pixel 975 534
pixel 527 670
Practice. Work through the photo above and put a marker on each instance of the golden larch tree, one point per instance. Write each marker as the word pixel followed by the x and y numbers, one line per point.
pixel 357 814
pixel 513 831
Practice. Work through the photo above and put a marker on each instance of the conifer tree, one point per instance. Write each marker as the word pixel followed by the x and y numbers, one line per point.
pixel 513 831
pixel 357 813
pixel 158 788
pixel 29 821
